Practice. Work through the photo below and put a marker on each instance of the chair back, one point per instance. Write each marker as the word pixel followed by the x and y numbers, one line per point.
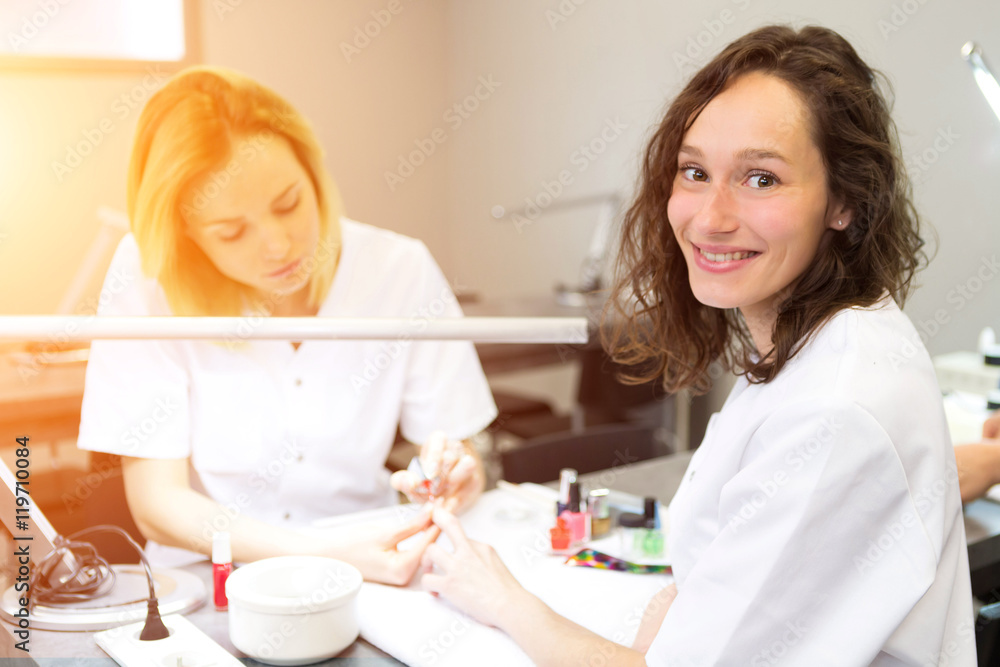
pixel 540 459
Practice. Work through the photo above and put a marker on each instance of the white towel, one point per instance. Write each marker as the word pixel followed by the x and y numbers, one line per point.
pixel 419 629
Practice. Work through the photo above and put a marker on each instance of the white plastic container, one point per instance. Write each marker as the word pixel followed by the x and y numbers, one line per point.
pixel 293 610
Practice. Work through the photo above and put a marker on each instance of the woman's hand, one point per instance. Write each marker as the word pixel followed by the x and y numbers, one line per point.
pixel 978 468
pixel 374 550
pixel 652 618
pixel 473 578
pixel 453 472
pixel 991 427
pixel 979 463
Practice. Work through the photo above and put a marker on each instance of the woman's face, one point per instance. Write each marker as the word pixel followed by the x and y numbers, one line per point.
pixel 750 202
pixel 256 217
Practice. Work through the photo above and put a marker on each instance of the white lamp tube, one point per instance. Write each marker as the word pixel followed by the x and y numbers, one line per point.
pixel 66 328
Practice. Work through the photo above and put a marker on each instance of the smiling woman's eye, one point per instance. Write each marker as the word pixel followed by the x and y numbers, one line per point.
pixel 761 180
pixel 694 173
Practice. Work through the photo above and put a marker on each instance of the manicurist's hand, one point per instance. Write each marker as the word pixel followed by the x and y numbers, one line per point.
pixel 374 550
pixel 458 471
pixel 473 578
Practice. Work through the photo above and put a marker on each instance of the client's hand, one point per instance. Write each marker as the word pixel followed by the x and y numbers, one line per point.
pixel 473 578
pixel 991 427
pixel 373 550
pixel 978 468
pixel 652 618
pixel 454 473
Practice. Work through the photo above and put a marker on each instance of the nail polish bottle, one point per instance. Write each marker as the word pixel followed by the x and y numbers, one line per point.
pixel 578 520
pixel 632 527
pixel 222 567
pixel 652 544
pixel 560 535
pixel 566 477
pixel 641 534
pixel 600 513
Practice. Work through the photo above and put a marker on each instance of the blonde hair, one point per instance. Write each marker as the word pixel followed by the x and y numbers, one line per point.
pixel 187 130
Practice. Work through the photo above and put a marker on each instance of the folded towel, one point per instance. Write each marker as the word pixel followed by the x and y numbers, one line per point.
pixel 419 629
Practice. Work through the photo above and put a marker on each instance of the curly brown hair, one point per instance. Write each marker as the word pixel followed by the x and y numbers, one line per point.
pixel 660 329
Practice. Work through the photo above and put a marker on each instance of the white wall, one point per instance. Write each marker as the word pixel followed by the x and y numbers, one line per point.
pixel 368 105
pixel 563 78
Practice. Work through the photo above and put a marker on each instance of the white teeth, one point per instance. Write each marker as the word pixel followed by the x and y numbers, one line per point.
pixel 726 257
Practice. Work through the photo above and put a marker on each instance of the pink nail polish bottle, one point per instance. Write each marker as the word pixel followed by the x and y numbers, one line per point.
pixel 576 520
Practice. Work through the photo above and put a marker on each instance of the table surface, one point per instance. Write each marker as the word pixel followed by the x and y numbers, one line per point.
pixel 656 477
pixel 659 477
pixel 51 644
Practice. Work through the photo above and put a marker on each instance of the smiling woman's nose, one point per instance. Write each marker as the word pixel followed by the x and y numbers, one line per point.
pixel 717 214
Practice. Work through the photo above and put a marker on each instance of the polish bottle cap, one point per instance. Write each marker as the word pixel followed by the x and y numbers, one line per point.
pixel 574 496
pixel 632 520
pixel 649 506
pixel 222 551
pixel 566 477
pixel 649 511
pixel 597 504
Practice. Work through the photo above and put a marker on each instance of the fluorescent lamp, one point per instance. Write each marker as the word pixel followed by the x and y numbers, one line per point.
pixel 984 76
pixel 67 328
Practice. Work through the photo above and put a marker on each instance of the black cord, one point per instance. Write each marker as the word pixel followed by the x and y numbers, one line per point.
pixel 91 578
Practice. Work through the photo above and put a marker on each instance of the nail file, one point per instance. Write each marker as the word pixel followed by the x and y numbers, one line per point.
pixel 187 646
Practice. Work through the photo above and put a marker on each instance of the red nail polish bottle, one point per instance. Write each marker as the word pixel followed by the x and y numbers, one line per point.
pixel 222 566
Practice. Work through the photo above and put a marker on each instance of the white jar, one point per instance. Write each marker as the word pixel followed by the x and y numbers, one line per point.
pixel 293 610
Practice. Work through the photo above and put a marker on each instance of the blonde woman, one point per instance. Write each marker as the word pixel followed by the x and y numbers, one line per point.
pixel 233 214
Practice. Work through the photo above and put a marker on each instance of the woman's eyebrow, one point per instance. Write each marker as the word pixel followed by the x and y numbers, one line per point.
pixel 742 155
pixel 751 154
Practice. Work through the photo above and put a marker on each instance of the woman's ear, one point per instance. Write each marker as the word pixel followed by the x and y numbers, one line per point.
pixel 839 217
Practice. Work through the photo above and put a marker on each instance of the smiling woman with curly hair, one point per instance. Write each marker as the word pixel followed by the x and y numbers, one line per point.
pixel 819 522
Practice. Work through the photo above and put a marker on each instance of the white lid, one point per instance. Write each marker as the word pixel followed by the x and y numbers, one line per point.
pixel 293 584
pixel 222 551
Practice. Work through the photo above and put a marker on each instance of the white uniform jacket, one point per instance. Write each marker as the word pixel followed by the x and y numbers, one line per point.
pixel 285 435
pixel 819 523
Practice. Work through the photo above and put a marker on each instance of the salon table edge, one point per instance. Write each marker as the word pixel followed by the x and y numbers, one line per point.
pixel 658 477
